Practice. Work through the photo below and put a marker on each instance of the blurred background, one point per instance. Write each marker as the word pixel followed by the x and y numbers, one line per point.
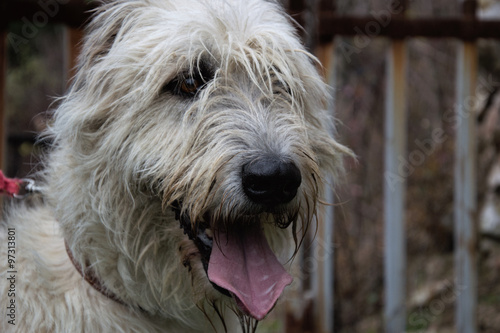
pixel 39 54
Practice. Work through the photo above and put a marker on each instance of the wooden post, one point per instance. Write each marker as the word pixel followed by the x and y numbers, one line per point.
pixel 74 39
pixel 395 189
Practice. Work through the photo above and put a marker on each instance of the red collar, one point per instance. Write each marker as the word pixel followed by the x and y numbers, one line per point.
pixel 89 276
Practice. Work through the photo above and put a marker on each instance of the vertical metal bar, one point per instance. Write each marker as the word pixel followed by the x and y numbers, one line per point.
pixel 394 189
pixel 322 246
pixel 326 307
pixel 465 191
pixel 322 278
pixel 326 232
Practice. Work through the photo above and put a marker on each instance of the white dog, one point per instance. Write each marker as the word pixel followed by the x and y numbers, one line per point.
pixel 193 135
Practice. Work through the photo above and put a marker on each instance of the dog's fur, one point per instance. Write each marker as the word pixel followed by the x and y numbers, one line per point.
pixel 135 152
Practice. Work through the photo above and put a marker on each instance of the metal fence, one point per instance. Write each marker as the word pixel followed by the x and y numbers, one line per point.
pixel 392 23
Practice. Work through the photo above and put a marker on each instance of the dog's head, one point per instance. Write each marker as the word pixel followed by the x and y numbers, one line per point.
pixel 198 133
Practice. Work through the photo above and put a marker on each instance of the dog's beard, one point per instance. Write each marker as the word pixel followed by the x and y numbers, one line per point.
pixel 239 262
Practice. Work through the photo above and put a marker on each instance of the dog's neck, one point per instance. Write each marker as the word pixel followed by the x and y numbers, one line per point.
pixel 88 274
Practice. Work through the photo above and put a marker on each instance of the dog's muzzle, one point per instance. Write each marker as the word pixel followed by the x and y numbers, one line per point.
pixel 237 258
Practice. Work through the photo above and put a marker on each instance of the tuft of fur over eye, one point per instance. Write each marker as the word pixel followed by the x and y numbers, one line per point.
pixel 188 85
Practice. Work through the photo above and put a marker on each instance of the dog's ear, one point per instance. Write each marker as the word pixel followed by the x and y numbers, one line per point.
pixel 106 24
pixel 101 49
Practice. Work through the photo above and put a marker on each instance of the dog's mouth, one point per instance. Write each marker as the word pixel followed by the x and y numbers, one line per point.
pixel 239 263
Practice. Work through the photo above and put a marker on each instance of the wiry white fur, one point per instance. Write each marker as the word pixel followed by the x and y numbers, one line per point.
pixel 125 151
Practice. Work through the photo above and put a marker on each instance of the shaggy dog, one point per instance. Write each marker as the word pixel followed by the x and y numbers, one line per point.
pixel 188 160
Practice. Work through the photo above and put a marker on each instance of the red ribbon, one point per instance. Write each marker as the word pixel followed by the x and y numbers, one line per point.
pixel 9 186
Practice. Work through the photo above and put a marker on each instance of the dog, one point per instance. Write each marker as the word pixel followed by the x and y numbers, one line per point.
pixel 188 159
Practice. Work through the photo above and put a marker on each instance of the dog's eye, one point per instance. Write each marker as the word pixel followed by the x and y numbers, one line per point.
pixel 190 86
pixel 281 88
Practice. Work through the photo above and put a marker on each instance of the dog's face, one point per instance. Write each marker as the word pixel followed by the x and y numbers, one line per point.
pixel 199 128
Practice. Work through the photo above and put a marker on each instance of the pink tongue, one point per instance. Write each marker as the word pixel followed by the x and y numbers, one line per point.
pixel 245 265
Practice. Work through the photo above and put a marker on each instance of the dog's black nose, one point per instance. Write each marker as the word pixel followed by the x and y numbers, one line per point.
pixel 271 181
